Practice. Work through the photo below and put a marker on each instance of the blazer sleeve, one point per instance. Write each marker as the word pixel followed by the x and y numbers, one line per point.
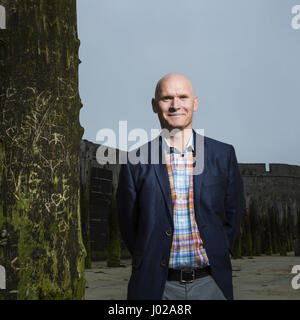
pixel 234 200
pixel 127 206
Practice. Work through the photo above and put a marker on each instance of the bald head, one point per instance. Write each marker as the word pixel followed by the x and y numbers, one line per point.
pixel 172 78
pixel 175 101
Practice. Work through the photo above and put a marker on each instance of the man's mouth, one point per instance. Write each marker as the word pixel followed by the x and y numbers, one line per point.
pixel 176 115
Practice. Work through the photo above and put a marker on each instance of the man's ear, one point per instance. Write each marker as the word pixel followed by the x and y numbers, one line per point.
pixel 196 102
pixel 154 108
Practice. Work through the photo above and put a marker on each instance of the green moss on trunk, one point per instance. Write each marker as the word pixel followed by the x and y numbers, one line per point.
pixel 39 151
pixel 84 203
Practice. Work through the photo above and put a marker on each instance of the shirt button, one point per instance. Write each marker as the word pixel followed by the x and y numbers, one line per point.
pixel 169 232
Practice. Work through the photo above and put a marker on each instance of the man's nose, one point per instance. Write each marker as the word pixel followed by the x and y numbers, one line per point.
pixel 175 103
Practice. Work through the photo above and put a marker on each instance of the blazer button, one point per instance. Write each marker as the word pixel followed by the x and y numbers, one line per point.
pixel 163 262
pixel 169 232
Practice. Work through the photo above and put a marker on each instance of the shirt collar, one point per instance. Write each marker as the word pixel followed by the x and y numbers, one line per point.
pixel 167 147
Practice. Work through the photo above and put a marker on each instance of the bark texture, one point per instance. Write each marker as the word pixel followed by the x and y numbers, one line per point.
pixel 41 246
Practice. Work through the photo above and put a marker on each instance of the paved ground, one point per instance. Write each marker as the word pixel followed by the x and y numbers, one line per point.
pixel 257 278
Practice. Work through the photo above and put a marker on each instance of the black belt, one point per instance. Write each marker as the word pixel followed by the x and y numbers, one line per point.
pixel 187 275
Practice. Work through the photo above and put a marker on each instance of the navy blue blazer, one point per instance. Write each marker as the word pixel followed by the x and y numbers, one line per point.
pixel 145 215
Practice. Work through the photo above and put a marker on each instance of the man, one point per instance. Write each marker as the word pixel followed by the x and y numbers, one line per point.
pixel 179 217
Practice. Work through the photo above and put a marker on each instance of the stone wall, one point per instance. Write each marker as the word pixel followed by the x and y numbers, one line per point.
pixel 98 212
pixel 272 220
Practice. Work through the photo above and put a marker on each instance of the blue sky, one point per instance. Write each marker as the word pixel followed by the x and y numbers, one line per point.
pixel 242 56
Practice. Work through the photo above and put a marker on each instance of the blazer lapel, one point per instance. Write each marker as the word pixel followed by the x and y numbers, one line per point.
pixel 199 159
pixel 163 179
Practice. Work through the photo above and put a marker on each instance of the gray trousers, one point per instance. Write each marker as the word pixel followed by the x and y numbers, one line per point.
pixel 200 289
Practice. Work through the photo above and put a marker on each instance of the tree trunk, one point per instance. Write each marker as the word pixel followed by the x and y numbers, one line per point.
pixel 40 234
pixel 85 189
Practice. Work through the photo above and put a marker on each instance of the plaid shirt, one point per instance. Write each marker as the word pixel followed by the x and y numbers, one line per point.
pixel 187 247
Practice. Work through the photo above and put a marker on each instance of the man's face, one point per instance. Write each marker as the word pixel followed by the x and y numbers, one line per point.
pixel 175 102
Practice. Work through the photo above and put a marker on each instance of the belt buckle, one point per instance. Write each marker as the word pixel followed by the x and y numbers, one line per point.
pixel 190 271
